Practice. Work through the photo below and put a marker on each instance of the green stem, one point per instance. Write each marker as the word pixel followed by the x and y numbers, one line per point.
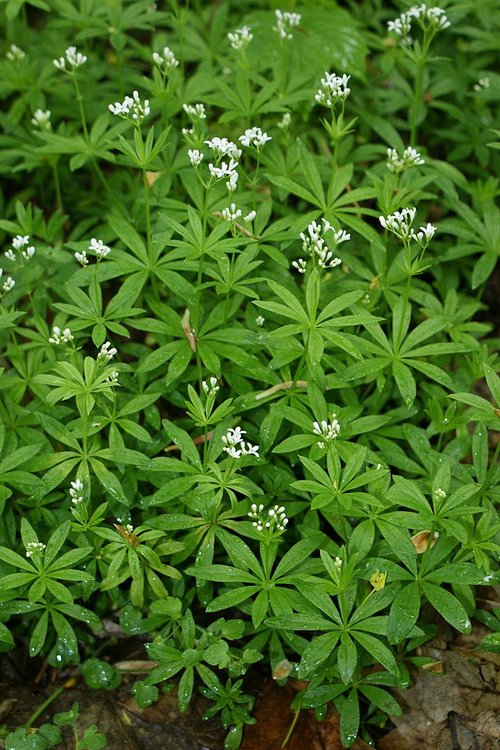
pixel 39 711
pixel 57 186
pixel 417 100
pixel 148 216
pixel 292 727
pixel 82 111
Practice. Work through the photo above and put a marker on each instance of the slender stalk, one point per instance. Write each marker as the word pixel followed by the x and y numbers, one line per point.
pixel 416 102
pixel 57 186
pixel 148 216
pixel 39 711
pixel 292 727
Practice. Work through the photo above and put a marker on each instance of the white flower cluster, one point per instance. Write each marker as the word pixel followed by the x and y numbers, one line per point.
pixel 195 112
pixel 232 213
pixel 260 320
pixel 241 38
pixel 285 22
pixel 106 354
pixel 41 119
pixel 223 147
pixel 439 494
pixel 235 446
pixel 15 53
pixel 483 83
pixel 112 378
pixel 34 548
pixel 8 284
pixel 314 244
pixel 20 244
pixel 99 248
pixel 166 61
pixel 334 88
pixel 73 58
pixel 131 108
pixel 60 337
pixel 400 224
pixel 254 138
pixel 222 169
pixel 434 17
pixel 285 121
pixel 410 158
pixel 195 156
pixel 76 492
pixel 328 431
pixel 276 517
pixel 211 387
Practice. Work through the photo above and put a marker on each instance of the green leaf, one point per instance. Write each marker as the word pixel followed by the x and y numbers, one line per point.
pixel 184 442
pixel 39 634
pixel 347 657
pixel 316 652
pixel 404 613
pixel 349 719
pixel 6 638
pixel 448 607
pixel 381 699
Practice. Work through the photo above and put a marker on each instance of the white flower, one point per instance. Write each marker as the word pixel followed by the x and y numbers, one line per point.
pixel 19 241
pixel 166 61
pixel 285 121
pixel 8 284
pixel 410 158
pixel 285 22
pixel 195 111
pixel 211 387
pixel 250 217
pixel 241 38
pixel 73 58
pixel 231 213
pixel 439 494
pixel 235 446
pixel 328 431
pixel 195 156
pixel 28 253
pixel 15 53
pixel 255 138
pixel 300 265
pixel 99 248
pixel 106 353
pixel 60 337
pixel 131 108
pixel 427 18
pixel 276 517
pixel 232 182
pixel 333 88
pixel 424 234
pixel 260 320
pixel 483 83
pixel 112 378
pixel 314 243
pixel 82 258
pixel 34 548
pixel 41 119
pixel 223 170
pixel 399 223
pixel 76 492
pixel 223 147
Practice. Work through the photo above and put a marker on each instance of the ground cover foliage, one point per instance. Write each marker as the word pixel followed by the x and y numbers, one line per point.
pixel 249 392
